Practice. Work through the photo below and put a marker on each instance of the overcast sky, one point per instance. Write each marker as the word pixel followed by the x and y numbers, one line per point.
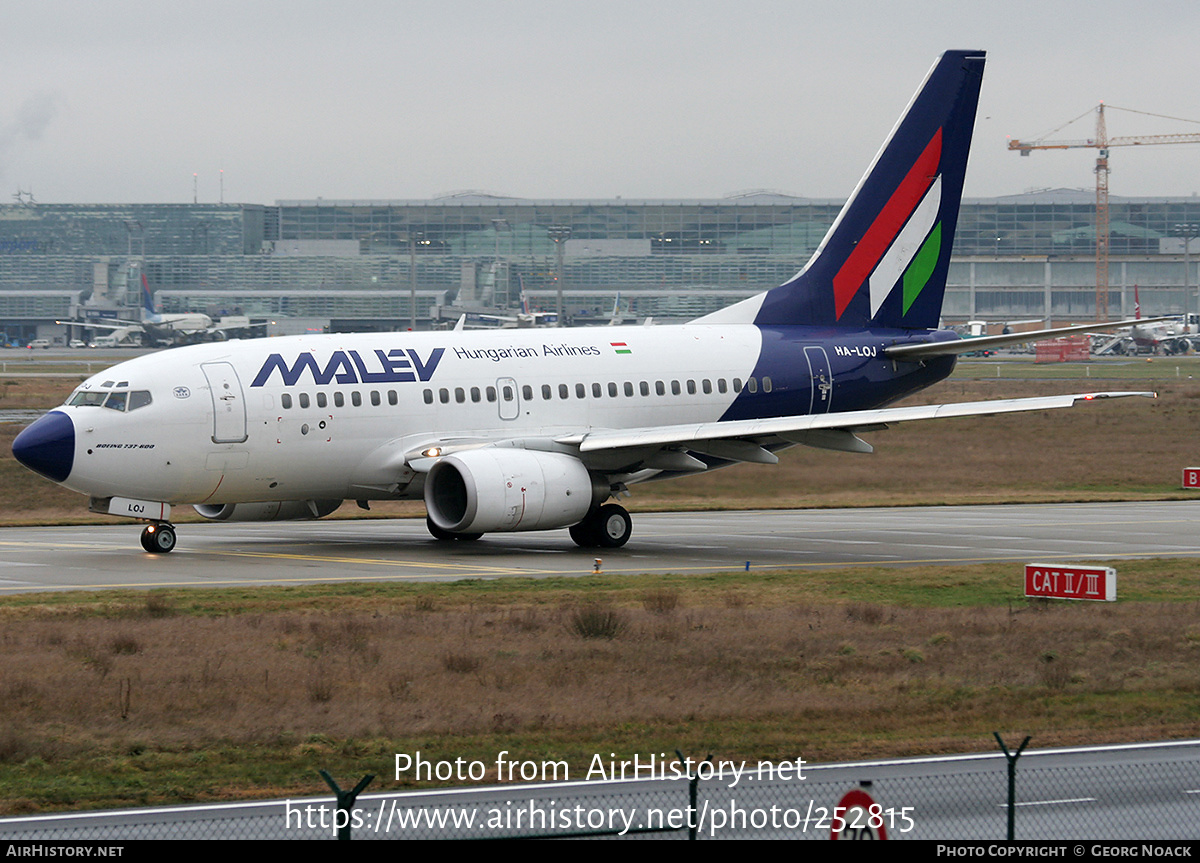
pixel 125 100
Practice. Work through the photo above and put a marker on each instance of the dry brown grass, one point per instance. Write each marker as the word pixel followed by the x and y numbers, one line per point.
pixel 34 393
pixel 81 683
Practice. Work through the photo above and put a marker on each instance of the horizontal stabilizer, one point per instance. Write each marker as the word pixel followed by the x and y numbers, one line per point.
pixel 980 343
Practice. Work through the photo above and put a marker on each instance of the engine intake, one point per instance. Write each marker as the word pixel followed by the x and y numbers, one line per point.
pixel 484 490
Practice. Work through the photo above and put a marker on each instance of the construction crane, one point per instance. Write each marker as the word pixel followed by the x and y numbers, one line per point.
pixel 1103 143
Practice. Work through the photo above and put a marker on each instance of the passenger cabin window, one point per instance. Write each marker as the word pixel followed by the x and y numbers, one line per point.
pixel 375 400
pixel 303 400
pixel 286 401
pixel 322 400
pixel 547 393
pixel 356 398
pixel 339 400
pixel 428 397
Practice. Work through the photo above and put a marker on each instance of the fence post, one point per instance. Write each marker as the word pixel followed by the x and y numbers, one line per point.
pixel 693 785
pixel 1012 781
pixel 345 801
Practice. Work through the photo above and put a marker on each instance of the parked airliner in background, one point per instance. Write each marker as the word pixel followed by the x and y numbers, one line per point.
pixel 1172 335
pixel 175 328
pixel 537 429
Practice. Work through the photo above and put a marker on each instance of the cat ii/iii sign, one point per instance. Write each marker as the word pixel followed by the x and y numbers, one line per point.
pixel 1068 581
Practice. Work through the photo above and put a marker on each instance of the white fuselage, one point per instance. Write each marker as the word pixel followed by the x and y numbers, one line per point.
pixel 226 425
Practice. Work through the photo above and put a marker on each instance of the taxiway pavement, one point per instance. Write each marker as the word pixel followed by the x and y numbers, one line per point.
pixel 261 553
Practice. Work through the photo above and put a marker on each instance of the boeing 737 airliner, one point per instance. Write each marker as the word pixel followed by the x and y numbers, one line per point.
pixel 538 429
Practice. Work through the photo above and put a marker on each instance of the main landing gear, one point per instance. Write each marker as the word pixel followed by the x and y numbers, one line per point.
pixel 158 538
pixel 608 526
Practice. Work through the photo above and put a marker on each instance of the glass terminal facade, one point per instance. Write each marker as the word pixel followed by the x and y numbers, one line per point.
pixel 355 263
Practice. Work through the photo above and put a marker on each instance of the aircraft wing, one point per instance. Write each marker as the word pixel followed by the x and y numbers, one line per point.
pixel 830 431
pixel 113 325
pixel 120 331
pixel 978 343
pixel 667 447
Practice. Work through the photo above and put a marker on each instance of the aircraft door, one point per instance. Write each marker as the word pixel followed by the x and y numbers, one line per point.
pixel 229 404
pixel 821 394
pixel 508 398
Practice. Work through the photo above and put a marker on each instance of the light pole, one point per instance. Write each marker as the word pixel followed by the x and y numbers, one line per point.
pixel 413 238
pixel 1187 230
pixel 498 225
pixel 559 234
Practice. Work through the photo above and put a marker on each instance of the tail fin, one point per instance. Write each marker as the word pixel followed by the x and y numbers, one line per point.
pixel 147 299
pixel 884 261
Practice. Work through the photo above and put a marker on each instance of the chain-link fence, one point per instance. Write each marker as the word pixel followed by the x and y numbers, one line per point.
pixel 1108 793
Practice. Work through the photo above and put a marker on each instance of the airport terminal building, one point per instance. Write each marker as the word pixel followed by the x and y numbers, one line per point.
pixel 354 265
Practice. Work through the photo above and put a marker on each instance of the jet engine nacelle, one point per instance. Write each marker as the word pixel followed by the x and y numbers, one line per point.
pixel 274 510
pixel 497 489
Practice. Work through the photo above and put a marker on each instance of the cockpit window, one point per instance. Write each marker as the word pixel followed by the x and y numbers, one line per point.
pixel 139 399
pixel 116 401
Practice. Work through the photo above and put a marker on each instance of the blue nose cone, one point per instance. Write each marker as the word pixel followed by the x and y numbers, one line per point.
pixel 47 446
